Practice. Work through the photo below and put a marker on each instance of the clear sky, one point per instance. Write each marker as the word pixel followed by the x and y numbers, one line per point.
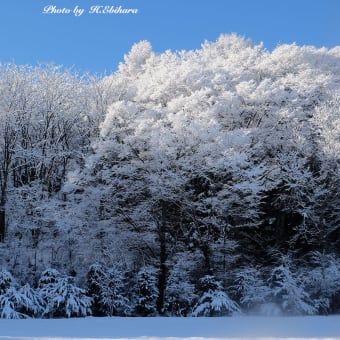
pixel 98 42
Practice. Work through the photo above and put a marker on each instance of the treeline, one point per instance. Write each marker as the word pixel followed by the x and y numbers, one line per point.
pixel 212 175
pixel 111 292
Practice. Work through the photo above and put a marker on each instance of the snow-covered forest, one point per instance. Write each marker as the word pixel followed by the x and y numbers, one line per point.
pixel 185 184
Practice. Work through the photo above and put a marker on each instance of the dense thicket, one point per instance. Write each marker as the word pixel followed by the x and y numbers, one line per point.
pixel 192 183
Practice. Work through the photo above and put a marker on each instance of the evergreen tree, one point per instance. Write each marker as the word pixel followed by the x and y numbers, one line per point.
pixel 62 297
pixel 146 292
pixel 96 277
pixel 288 292
pixel 213 300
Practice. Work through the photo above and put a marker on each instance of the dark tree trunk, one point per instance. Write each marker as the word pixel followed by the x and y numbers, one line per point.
pixel 163 258
pixel 161 284
pixel 2 224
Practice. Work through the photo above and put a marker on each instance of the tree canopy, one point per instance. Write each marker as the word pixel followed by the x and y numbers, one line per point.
pixel 219 163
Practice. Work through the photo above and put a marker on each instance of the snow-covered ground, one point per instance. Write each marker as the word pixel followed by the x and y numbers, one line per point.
pixel 314 327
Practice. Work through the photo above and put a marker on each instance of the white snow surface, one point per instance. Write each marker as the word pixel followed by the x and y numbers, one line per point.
pixel 313 327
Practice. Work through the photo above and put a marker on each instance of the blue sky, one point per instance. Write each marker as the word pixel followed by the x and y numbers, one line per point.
pixel 97 43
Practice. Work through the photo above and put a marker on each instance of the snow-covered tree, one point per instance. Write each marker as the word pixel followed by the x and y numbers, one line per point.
pixel 112 296
pixel 96 278
pixel 21 303
pixel 288 291
pixel 251 288
pixel 62 297
pixel 145 292
pixel 180 293
pixel 214 301
pixel 18 303
pixel 6 281
pixel 322 281
pixel 29 301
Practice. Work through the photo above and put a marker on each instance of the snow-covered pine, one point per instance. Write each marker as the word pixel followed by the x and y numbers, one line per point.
pixel 322 281
pixel 112 295
pixel 9 297
pixel 6 281
pixel 62 297
pixel 30 301
pixel 108 291
pixel 288 291
pixel 8 308
pixel 251 288
pixel 21 303
pixel 180 294
pixel 214 301
pixel 96 279
pixel 145 292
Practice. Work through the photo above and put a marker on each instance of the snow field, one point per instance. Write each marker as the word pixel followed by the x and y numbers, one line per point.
pixel 314 327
